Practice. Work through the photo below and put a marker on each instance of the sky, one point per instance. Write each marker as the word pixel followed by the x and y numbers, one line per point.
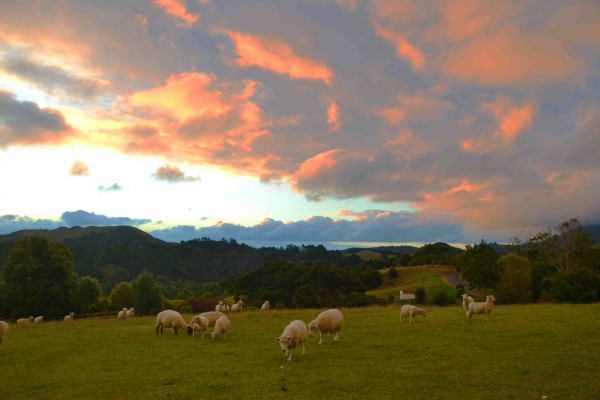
pixel 343 122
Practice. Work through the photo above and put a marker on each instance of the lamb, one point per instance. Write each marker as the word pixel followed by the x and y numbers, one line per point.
pixel 466 301
pixel 221 328
pixel 211 316
pixel 172 319
pixel 23 321
pixel 129 313
pixel 38 320
pixel 3 330
pixel 226 308
pixel 292 336
pixel 237 306
pixel 411 311
pixel 69 317
pixel 265 306
pixel 199 324
pixel 481 307
pixel 329 321
pixel 219 307
pixel 122 314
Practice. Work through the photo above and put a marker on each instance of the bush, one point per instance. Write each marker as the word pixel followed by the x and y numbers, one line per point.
pixel 185 309
pixel 581 285
pixel 200 305
pixel 391 298
pixel 392 273
pixel 420 295
pixel 441 299
pixel 167 305
pixel 371 279
pixel 358 299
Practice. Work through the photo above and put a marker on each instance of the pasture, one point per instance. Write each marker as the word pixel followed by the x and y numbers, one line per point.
pixel 524 352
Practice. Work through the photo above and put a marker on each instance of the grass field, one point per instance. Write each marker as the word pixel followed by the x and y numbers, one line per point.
pixel 524 352
pixel 367 255
pixel 429 277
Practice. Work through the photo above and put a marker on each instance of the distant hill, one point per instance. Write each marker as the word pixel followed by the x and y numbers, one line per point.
pixel 367 255
pixel 594 231
pixel 388 250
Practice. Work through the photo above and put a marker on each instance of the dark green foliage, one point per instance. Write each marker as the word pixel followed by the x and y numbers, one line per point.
pixel 184 294
pixel 460 290
pixel 88 294
pixel 351 261
pixel 371 279
pixel 579 285
pixel 479 266
pixel 306 297
pixel 123 295
pixel 392 273
pixel 405 259
pixel 39 278
pixel 149 299
pixel 199 305
pixel 185 309
pixel 515 284
pixel 420 295
pixel 167 305
pixel 357 299
pixel 390 298
pixel 441 299
pixel 437 253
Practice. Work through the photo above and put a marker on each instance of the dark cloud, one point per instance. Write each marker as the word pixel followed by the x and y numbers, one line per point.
pixel 79 168
pixel 24 122
pixel 12 223
pixel 51 77
pixel 171 174
pixel 84 218
pixel 114 188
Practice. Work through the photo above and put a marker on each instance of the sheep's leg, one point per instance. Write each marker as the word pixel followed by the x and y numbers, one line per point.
pixel 157 330
pixel 411 318
pixel 291 354
pixel 175 329
pixel 303 347
pixel 320 337
pixel 331 336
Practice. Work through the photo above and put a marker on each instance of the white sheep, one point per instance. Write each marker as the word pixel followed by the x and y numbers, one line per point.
pixel 172 319
pixel 129 313
pixel 221 328
pixel 38 320
pixel 411 311
pixel 219 307
pixel 481 307
pixel 69 317
pixel 122 314
pixel 292 336
pixel 226 308
pixel 199 324
pixel 3 330
pixel 237 306
pixel 466 301
pixel 23 321
pixel 265 306
pixel 211 316
pixel 330 321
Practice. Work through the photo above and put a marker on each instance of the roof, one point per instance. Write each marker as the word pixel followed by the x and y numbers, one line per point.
pixel 408 291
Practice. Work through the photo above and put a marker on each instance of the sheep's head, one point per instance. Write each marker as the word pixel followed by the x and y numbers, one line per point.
pixel 490 298
pixel 284 342
pixel 465 296
pixel 189 329
pixel 423 312
pixel 312 328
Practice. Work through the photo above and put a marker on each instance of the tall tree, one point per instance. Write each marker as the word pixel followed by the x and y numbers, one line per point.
pixel 88 293
pixel 149 299
pixel 480 267
pixel 123 296
pixel 515 284
pixel 39 278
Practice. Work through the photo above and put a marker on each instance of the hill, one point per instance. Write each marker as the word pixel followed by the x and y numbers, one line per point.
pixel 430 277
pixel 367 255
pixel 388 250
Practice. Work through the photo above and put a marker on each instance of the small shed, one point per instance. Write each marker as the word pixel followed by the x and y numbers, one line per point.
pixel 406 294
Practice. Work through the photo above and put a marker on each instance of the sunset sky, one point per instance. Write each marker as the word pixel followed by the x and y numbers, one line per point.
pixel 315 121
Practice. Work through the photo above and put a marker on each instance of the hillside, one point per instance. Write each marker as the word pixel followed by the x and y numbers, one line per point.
pixel 388 250
pixel 367 255
pixel 430 277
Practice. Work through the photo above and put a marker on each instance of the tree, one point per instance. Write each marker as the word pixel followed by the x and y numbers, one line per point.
pixel 88 293
pixel 123 296
pixel 420 295
pixel 39 278
pixel 515 284
pixel 563 248
pixel 480 267
pixel 580 285
pixel 392 273
pixel 405 259
pixel 149 299
pixel 371 279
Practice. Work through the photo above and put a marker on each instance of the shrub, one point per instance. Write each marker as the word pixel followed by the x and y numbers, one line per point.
pixel 581 285
pixel 358 299
pixel 185 309
pixel 371 279
pixel 441 299
pixel 167 305
pixel 392 273
pixel 391 298
pixel 200 305
pixel 420 295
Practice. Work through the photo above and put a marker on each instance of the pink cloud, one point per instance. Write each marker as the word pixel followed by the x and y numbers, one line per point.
pixel 177 9
pixel 333 117
pixel 404 49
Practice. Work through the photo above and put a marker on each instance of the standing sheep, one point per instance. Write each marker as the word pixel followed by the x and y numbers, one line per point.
pixel 23 321
pixel 172 319
pixel 226 308
pixel 329 321
pixel 219 307
pixel 265 306
pixel 237 307
pixel 199 324
pixel 129 313
pixel 122 313
pixel 211 316
pixel 411 311
pixel 292 336
pixel 221 328
pixel 3 330
pixel 466 301
pixel 69 317
pixel 38 320
pixel 481 308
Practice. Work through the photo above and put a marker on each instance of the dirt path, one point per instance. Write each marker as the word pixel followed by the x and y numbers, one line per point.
pixel 454 279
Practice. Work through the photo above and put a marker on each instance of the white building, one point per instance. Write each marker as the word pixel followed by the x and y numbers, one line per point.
pixel 406 294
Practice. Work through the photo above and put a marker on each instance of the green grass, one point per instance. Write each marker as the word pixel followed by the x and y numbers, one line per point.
pixel 367 255
pixel 523 352
pixel 428 277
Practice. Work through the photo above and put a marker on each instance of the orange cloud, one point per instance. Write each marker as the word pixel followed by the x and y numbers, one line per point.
pixel 312 166
pixel 177 9
pixel 419 106
pixel 333 117
pixel 276 56
pixel 515 120
pixel 403 47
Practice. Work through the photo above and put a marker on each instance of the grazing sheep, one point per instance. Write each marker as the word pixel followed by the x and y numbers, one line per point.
pixel 211 316
pixel 411 311
pixel 23 321
pixel 3 330
pixel 129 313
pixel 265 306
pixel 221 328
pixel 329 321
pixel 199 324
pixel 219 307
pixel 69 317
pixel 292 336
pixel 481 307
pixel 38 320
pixel 237 306
pixel 172 319
pixel 466 301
